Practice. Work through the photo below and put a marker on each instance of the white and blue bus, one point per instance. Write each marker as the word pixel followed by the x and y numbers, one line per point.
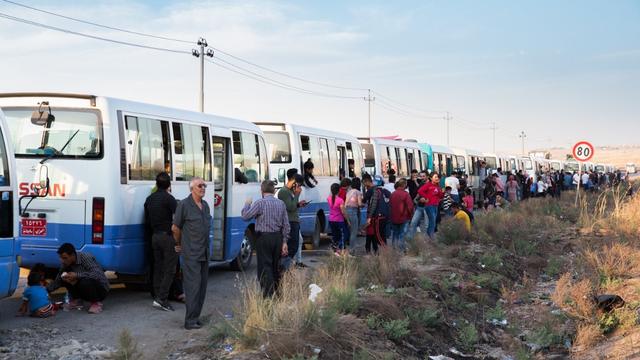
pixel 102 156
pixel 332 153
pixel 9 246
pixel 382 155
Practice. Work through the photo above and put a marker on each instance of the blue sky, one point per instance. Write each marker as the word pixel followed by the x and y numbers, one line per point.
pixel 559 70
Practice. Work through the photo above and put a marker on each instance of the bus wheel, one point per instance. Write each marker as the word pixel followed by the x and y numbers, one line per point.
pixel 317 231
pixel 243 260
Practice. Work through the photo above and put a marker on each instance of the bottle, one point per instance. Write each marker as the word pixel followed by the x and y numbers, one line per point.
pixel 65 306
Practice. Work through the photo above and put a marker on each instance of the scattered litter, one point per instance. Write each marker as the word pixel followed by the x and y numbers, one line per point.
pixel 607 303
pixel 498 322
pixel 317 351
pixel 228 316
pixel 557 312
pixel 390 290
pixel 228 348
pixel 440 357
pixel 456 352
pixel 314 290
pixel 373 287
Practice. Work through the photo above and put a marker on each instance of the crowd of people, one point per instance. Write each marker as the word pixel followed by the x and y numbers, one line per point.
pixel 178 231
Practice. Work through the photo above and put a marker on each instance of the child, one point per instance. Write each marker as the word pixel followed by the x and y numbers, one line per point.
pixel 40 269
pixel 468 200
pixel 447 200
pixel 36 298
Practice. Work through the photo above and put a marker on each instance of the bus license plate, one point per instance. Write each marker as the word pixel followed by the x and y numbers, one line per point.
pixel 33 227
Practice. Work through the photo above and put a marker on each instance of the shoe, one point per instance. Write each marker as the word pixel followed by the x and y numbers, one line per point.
pixel 194 326
pixel 301 265
pixel 95 308
pixel 337 253
pixel 162 305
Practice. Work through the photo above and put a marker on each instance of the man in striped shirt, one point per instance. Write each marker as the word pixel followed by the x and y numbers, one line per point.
pixel 272 230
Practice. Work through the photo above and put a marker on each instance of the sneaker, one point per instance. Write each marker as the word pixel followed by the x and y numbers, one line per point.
pixel 165 306
pixel 95 308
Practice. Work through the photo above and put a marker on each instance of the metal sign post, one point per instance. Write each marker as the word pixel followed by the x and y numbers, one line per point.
pixel 582 152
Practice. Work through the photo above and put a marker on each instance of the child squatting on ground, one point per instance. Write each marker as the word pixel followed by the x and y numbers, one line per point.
pixel 36 299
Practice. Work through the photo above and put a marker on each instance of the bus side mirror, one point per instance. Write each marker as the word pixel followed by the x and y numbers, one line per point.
pixel 43 115
pixel 43 177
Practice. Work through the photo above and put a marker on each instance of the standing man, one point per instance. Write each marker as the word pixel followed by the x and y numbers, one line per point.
pixel 191 226
pixel 290 196
pixel 158 214
pixel 454 183
pixel 272 228
pixel 83 277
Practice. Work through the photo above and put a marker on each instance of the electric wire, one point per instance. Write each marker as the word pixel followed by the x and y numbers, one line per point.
pixel 49 27
pixel 405 105
pixel 269 81
pixel 98 25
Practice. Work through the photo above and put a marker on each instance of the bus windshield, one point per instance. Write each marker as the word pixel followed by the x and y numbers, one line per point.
pixel 279 147
pixel 74 133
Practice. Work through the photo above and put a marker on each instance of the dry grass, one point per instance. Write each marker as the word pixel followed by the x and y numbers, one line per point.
pixel 575 299
pixel 587 335
pixel 614 261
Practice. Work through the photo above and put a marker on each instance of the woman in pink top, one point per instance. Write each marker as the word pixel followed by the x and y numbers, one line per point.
pixel 338 220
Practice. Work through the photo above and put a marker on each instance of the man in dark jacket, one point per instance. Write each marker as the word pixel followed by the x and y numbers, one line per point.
pixel 377 199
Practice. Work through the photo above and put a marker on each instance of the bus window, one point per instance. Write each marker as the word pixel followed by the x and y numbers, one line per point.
pixel 462 166
pixel 358 162
pixel 403 165
pixel 245 155
pixel 324 152
pixel 264 159
pixel 411 162
pixel 279 147
pixel 385 164
pixel 148 151
pixel 335 166
pixel 311 150
pixel 393 159
pixel 449 165
pixel 369 158
pixel 192 152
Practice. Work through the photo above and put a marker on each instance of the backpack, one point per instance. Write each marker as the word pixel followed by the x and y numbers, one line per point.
pixel 383 202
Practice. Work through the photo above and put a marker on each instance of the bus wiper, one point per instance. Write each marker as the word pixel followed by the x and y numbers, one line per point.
pixel 57 152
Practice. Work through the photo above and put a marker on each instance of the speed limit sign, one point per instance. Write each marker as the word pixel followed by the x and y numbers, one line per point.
pixel 583 151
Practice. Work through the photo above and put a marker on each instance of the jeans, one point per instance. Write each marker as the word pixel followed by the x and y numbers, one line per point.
pixel 299 252
pixel 340 234
pixel 294 238
pixel 354 219
pixel 398 231
pixel 456 197
pixel 419 218
pixel 432 214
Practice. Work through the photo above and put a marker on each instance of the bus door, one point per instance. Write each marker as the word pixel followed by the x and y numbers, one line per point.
pixel 342 163
pixel 9 270
pixel 220 195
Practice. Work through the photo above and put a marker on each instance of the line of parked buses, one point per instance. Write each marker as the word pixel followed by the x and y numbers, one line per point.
pixel 77 168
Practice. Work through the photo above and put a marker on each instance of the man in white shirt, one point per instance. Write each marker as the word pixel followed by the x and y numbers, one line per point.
pixel 576 179
pixel 453 181
pixel 585 181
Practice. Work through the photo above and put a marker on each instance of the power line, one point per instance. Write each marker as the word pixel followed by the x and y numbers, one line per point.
pixel 96 24
pixel 403 113
pixel 49 27
pixel 408 106
pixel 409 113
pixel 269 81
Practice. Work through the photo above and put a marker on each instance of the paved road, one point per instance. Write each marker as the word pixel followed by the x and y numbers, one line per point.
pixel 158 332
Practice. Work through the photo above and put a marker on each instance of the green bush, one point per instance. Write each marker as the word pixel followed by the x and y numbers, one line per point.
pixel 496 313
pixel 344 301
pixel 374 321
pixel 329 320
pixel 452 231
pixel 554 267
pixel 425 284
pixel 488 280
pixel 545 336
pixel 492 260
pixel 223 330
pixel 429 318
pixel 396 329
pixel 467 336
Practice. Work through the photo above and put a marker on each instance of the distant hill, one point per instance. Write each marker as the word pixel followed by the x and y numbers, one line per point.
pixel 619 156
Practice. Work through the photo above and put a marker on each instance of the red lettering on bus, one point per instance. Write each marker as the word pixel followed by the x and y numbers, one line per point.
pixel 32 188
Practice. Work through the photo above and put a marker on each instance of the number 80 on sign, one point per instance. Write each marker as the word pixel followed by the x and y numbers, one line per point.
pixel 583 151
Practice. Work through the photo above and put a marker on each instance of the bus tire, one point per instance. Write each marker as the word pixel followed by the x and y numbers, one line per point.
pixel 243 260
pixel 317 232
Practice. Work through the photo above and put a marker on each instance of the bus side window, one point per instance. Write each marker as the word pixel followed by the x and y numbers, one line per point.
pixel 193 152
pixel 324 152
pixel 246 162
pixel 148 151
pixel 334 166
pixel 264 159
pixel 311 150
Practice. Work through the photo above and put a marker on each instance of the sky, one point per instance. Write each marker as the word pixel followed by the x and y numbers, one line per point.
pixel 561 71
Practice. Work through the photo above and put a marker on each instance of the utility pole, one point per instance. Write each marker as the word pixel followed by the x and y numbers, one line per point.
pixel 522 136
pixel 448 119
pixel 494 128
pixel 201 54
pixel 369 99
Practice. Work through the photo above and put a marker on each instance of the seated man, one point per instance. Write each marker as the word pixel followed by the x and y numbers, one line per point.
pixel 83 277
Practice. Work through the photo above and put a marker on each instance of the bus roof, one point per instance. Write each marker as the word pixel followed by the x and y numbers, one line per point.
pixel 379 141
pixel 85 100
pixel 442 149
pixel 307 130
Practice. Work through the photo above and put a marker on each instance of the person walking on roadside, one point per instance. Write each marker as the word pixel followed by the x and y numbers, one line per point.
pixel 353 205
pixel 376 198
pixel 272 228
pixel 338 220
pixel 401 212
pixel 453 182
pixel 158 213
pixel 431 194
pixel 512 189
pixel 191 226
pixel 290 196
